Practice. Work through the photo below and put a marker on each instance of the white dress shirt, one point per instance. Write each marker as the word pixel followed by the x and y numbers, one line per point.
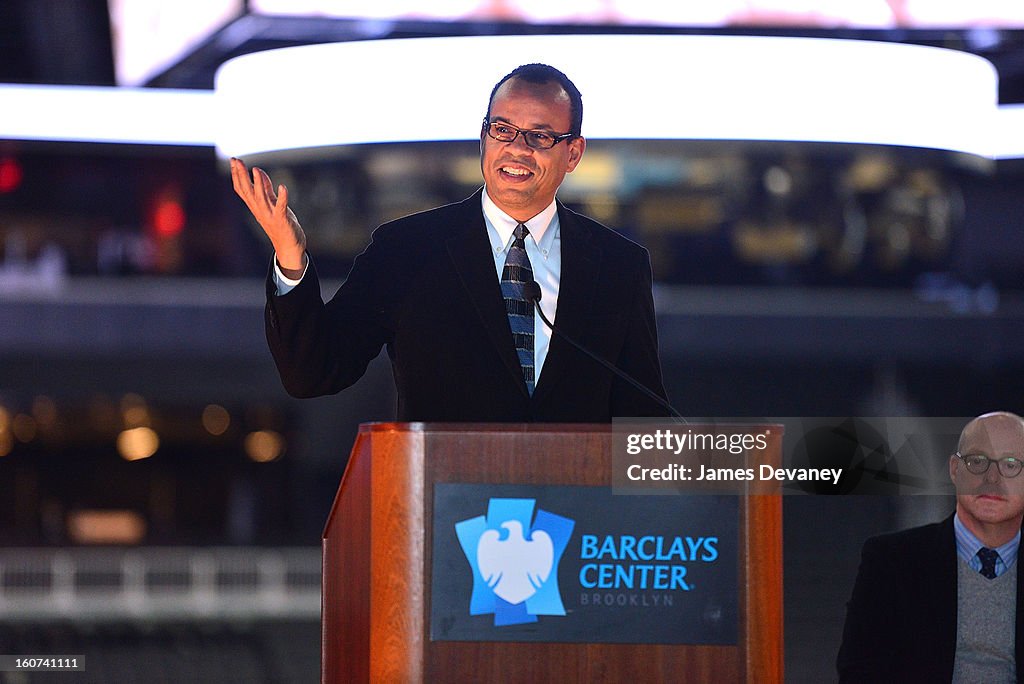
pixel 544 247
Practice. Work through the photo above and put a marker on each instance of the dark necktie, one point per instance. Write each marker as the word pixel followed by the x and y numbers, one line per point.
pixel 988 562
pixel 514 275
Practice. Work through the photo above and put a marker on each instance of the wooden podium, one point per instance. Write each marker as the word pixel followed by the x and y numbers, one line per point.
pixel 377 563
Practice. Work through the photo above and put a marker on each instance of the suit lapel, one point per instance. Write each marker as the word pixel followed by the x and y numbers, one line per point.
pixel 1019 640
pixel 945 592
pixel 577 286
pixel 470 252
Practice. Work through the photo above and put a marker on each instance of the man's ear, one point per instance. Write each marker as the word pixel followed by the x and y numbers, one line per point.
pixel 954 464
pixel 576 149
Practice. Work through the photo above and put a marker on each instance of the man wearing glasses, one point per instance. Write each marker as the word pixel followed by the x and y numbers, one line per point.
pixel 943 602
pixel 450 291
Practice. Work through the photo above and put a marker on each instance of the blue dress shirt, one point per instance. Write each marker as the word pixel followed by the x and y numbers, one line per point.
pixel 967 546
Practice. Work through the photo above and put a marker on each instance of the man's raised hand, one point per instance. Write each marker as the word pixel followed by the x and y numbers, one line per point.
pixel 272 212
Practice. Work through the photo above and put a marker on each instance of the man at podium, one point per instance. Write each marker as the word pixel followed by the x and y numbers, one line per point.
pixel 943 602
pixel 451 292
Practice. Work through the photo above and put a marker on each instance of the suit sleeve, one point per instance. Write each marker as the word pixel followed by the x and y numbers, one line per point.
pixel 867 652
pixel 323 348
pixel 639 357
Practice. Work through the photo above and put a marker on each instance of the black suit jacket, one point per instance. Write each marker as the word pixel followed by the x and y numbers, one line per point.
pixel 901 619
pixel 426 289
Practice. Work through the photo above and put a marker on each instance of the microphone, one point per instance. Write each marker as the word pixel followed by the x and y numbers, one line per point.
pixel 532 293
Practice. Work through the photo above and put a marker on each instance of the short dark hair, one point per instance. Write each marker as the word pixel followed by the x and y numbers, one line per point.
pixel 542 74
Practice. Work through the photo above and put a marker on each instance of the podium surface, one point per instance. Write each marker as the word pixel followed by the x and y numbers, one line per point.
pixel 378 559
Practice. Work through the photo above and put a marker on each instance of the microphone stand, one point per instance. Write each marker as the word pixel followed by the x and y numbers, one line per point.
pixel 532 293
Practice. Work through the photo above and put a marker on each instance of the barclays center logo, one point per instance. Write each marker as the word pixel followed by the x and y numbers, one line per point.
pixel 514 558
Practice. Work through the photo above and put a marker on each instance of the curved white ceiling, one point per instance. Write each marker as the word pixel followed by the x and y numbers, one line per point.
pixel 634 86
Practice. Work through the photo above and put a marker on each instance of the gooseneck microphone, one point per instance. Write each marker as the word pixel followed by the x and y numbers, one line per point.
pixel 531 292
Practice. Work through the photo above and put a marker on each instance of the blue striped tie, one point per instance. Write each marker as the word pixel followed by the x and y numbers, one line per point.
pixel 514 275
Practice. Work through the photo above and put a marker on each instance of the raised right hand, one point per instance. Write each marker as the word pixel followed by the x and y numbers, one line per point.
pixel 272 212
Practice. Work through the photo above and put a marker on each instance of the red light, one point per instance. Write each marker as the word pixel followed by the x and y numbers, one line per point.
pixel 10 174
pixel 168 217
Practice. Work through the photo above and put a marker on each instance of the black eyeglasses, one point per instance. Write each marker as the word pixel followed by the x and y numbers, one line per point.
pixel 538 140
pixel 979 463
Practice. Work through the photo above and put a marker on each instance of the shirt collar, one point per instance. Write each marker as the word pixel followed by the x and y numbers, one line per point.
pixel 967 544
pixel 505 224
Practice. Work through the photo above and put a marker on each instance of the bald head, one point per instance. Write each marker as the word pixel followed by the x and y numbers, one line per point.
pixel 988 503
pixel 999 432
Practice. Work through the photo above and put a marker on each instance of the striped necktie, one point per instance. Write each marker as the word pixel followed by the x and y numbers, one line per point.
pixel 514 275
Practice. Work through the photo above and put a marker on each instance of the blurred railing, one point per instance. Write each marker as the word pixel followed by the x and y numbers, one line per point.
pixel 193 582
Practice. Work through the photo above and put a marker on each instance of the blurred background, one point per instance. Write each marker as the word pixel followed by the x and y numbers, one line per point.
pixel 162 498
